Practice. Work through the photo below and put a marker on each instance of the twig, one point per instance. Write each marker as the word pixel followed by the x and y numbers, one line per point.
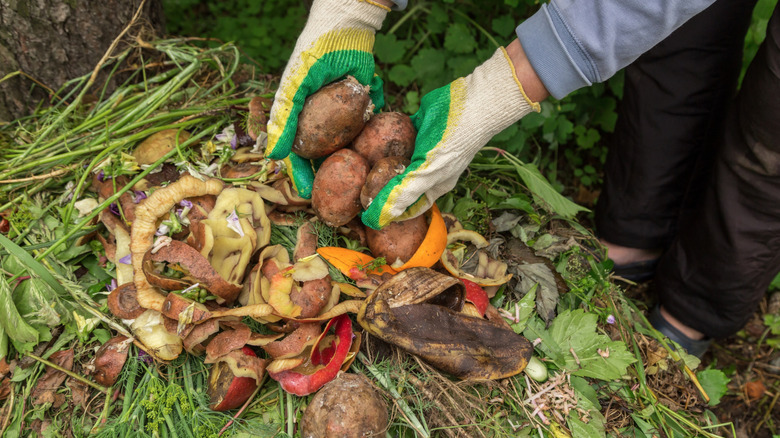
pixel 416 382
pixel 44 176
pixel 69 373
pixel 768 412
pixel 7 418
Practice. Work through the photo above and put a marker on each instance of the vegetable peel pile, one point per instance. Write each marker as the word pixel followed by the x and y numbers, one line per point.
pixel 194 259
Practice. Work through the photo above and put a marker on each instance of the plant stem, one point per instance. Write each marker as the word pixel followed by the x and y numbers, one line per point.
pixel 70 373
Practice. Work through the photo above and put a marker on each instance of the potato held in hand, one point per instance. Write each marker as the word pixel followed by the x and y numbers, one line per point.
pixel 331 118
pixel 335 194
pixel 397 241
pixel 348 406
pixel 386 135
pixel 383 171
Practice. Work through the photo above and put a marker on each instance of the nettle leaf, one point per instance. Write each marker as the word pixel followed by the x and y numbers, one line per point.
pixel 597 356
pixel 715 384
pixel 504 25
pixel 389 49
pixel 459 39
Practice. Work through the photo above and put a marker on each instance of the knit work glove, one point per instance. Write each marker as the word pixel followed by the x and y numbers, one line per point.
pixel 453 123
pixel 338 40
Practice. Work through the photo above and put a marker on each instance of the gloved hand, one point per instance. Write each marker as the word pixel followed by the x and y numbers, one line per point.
pixel 453 123
pixel 338 40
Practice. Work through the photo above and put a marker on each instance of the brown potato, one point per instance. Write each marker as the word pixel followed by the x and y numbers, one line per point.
pixel 335 194
pixel 383 171
pixel 386 135
pixel 348 406
pixel 331 118
pixel 397 241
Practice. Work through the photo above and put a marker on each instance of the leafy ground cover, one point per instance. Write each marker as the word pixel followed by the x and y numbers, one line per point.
pixel 609 372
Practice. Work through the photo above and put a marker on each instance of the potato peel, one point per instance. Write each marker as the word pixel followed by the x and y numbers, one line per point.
pixel 145 225
pixel 198 268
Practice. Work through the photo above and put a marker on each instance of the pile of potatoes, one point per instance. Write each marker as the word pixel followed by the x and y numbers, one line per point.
pixel 363 152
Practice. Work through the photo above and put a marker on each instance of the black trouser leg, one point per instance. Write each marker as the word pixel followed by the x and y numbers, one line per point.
pixel 675 98
pixel 728 249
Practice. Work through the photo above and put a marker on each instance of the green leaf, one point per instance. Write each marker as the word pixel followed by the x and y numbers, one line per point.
pixel 429 66
pixel 32 266
pixel 459 39
pixel 597 356
pixel 588 138
pixel 715 384
pixel 401 74
pixel 462 65
pixel 389 49
pixel 525 308
pixel 540 187
pixel 22 335
pixel 504 25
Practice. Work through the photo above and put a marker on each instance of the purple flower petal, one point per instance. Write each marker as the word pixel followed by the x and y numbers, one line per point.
pixel 185 203
pixel 611 319
pixel 233 142
pixel 126 260
pixel 101 176
pixel 113 208
pixel 145 357
pixel 111 286
pixel 138 196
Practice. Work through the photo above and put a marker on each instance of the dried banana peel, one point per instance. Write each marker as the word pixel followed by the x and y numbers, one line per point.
pixel 402 312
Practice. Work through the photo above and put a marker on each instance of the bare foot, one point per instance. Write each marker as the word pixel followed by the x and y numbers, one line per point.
pixel 687 331
pixel 623 255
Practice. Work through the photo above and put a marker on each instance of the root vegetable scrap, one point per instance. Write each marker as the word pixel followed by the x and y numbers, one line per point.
pixel 348 406
pixel 331 118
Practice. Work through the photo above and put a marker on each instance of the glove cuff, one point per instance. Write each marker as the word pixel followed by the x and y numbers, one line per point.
pixel 494 98
pixel 326 15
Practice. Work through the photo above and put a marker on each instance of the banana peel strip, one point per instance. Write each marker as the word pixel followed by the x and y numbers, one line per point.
pixel 489 272
pixel 145 225
pixel 470 348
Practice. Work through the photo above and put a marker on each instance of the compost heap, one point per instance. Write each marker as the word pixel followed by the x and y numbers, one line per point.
pixel 194 262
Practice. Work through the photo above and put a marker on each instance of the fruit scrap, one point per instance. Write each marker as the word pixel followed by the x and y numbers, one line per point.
pixel 227 390
pixel 464 246
pixel 328 354
pixel 476 296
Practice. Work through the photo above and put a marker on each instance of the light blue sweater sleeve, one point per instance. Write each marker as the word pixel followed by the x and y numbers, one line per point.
pixel 400 4
pixel 573 43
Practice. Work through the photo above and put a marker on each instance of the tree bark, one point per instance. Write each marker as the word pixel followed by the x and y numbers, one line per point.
pixel 52 41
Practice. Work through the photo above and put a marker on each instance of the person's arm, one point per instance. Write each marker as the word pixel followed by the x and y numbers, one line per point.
pixel 573 44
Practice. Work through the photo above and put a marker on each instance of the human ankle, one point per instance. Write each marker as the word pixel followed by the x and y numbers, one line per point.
pixel 687 331
pixel 622 255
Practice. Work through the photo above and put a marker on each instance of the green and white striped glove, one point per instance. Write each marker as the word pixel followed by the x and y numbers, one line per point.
pixel 453 123
pixel 338 40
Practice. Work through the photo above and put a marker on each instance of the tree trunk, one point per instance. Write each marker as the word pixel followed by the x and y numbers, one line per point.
pixel 52 41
